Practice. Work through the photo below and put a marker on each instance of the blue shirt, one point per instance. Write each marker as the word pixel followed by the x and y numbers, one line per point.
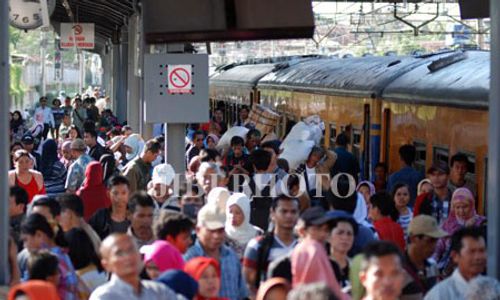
pixel 119 289
pixel 232 283
pixel 346 163
pixel 409 176
pixel 76 172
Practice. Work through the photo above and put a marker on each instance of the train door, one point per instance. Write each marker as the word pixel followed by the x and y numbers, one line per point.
pixel 386 133
pixel 365 167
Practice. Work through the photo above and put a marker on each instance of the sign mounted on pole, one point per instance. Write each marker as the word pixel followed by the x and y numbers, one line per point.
pixel 180 79
pixel 80 35
pixel 176 88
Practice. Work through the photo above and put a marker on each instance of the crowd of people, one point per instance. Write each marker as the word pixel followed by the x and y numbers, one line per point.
pixel 96 213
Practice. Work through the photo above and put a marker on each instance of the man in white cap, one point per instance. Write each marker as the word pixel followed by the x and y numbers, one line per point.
pixel 210 234
pixel 160 187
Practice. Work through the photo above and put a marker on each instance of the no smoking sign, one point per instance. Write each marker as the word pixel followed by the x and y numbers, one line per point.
pixel 180 79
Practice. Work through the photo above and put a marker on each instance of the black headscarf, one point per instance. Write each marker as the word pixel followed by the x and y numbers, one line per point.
pixel 49 157
pixel 108 164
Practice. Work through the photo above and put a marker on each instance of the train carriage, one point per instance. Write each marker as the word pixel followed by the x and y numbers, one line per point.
pixel 442 108
pixel 345 93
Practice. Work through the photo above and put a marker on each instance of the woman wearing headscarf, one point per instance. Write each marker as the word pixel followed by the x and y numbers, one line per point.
pixel 211 141
pixel 93 192
pixel 53 170
pixel 180 282
pixel 161 256
pixel 273 289
pixel 133 146
pixel 462 214
pixel 34 290
pixel 424 186
pixel 17 126
pixel 206 271
pixel 367 189
pixel 239 231
pixel 108 163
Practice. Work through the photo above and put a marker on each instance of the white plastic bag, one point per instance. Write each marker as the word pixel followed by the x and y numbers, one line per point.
pixel 225 141
pixel 296 152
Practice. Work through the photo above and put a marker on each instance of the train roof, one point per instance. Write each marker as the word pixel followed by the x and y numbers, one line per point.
pixel 358 76
pixel 463 81
pixel 243 75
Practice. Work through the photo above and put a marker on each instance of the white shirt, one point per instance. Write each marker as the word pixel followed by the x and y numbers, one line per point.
pixel 48 117
pixel 454 287
pixel 311 177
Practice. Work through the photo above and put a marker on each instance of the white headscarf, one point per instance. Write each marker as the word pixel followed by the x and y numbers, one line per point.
pixel 361 211
pixel 246 231
pixel 135 142
pixel 219 196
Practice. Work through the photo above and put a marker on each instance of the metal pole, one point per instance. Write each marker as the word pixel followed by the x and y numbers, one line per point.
pixel 42 62
pixel 4 136
pixel 81 73
pixel 175 137
pixel 493 146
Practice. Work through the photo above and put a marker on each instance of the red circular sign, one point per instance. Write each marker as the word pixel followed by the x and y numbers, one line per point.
pixel 179 78
pixel 78 29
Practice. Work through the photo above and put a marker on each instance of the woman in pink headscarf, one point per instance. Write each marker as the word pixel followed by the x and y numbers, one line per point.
pixel 161 256
pixel 462 214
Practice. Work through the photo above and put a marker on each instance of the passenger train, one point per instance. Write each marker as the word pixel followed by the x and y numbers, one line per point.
pixel 437 102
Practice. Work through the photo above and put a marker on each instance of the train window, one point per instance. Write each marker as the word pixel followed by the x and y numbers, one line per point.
pixel 421 156
pixel 333 135
pixel 441 154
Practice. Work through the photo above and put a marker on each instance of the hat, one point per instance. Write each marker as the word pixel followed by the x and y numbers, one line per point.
pixel 78 144
pixel 27 139
pixel 218 196
pixel 439 166
pixel 315 216
pixel 180 282
pixel 340 215
pixel 164 174
pixel 425 225
pixel 211 217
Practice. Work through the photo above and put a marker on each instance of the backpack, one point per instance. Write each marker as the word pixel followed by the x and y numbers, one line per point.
pixel 265 245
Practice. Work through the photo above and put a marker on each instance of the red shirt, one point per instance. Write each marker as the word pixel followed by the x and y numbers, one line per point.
pixel 388 230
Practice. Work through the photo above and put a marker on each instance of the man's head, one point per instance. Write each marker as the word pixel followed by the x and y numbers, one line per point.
pixel 78 148
pixel 253 139
pixel 381 171
pixel 118 189
pixel 315 156
pixel 44 265
pixel 71 211
pixel 174 228
pixel 151 151
pixel 382 271
pixel 28 142
pixel 191 201
pixel 438 174
pixel 382 206
pixel 407 154
pixel 285 212
pixel 423 234
pixel 273 148
pixel 210 227
pixel 198 138
pixel 209 175
pixel 127 130
pixel 43 101
pixel 36 232
pixel 468 250
pixel 261 159
pixel 244 111
pixel 90 137
pixel 18 201
pixel 47 207
pixel 141 210
pixel 120 256
pixel 342 140
pixel 237 145
pixel 459 166
pixel 219 115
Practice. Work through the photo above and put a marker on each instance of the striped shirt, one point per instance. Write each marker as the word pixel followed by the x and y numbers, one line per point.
pixel 54 183
pixel 233 285
pixel 404 221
